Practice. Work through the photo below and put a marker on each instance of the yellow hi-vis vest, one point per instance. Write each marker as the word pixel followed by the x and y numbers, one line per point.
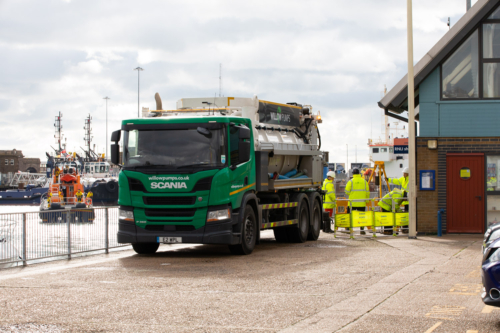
pixel 403 182
pixel 386 202
pixel 330 199
pixel 357 188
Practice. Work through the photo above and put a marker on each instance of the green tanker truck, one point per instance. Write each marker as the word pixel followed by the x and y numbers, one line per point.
pixel 218 171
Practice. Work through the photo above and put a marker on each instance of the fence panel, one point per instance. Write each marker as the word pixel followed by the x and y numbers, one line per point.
pixel 37 236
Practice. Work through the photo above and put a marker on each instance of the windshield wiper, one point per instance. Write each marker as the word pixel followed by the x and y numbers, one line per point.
pixel 202 164
pixel 152 166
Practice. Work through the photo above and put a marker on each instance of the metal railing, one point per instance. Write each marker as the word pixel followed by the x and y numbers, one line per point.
pixel 57 234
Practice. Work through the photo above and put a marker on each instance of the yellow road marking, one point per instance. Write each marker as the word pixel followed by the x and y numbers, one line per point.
pixel 487 309
pixel 444 311
pixel 436 325
pixel 464 289
pixel 474 274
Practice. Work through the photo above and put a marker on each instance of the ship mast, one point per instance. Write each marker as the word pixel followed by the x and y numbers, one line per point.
pixel 88 137
pixel 58 135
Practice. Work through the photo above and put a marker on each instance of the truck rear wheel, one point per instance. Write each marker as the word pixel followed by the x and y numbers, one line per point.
pixel 315 227
pixel 146 248
pixel 248 233
pixel 299 234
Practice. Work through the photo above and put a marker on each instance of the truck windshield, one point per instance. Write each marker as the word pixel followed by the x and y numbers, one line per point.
pixel 174 149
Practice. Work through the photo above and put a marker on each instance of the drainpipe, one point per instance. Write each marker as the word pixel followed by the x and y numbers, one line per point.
pixel 440 223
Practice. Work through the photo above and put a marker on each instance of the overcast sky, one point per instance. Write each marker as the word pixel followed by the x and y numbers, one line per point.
pixel 335 55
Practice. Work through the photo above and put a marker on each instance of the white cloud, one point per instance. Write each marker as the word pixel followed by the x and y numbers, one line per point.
pixel 336 55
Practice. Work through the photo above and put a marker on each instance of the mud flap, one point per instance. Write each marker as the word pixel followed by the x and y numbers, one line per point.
pixel 327 224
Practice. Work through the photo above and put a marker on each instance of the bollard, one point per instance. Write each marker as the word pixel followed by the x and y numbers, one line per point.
pixel 440 223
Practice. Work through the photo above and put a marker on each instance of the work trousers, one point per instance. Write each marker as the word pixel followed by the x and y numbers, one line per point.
pixel 360 209
pixel 388 229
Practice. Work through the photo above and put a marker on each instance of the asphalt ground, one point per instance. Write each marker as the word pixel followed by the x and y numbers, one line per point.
pixel 391 284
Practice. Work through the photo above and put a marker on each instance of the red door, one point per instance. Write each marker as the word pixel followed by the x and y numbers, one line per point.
pixel 465 193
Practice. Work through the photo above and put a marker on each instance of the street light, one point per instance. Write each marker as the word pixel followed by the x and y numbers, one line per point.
pixel 106 98
pixel 138 69
pixel 412 233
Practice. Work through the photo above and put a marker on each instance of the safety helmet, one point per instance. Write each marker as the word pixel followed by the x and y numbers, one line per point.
pixel 355 171
pixel 406 170
pixel 330 174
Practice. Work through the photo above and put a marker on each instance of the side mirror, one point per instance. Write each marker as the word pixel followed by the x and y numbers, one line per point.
pixel 115 153
pixel 244 133
pixel 244 148
pixel 115 136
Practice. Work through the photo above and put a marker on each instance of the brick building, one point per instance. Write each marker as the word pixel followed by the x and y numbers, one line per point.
pixel 12 161
pixel 457 99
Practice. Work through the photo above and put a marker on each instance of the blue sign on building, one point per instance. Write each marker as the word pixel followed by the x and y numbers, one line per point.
pixel 400 149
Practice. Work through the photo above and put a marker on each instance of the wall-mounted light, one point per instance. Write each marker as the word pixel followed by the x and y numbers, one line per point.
pixel 432 144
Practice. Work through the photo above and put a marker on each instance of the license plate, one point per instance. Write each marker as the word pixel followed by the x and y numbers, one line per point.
pixel 169 240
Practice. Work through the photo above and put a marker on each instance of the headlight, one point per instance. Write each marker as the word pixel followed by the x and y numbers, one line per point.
pixel 218 215
pixel 126 215
pixel 494 255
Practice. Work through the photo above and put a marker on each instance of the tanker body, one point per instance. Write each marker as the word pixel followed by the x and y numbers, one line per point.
pixel 212 171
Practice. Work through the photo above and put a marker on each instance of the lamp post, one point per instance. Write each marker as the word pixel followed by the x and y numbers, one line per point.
pixel 412 233
pixel 138 69
pixel 106 98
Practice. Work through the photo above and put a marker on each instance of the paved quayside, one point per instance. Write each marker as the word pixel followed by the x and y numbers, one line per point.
pixel 386 285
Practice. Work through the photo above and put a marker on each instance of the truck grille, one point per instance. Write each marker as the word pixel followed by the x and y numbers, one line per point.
pixel 169 200
pixel 158 212
pixel 170 227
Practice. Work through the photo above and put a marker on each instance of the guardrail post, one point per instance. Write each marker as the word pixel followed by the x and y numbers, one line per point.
pixel 394 212
pixel 106 229
pixel 440 223
pixel 351 229
pixel 24 239
pixel 69 234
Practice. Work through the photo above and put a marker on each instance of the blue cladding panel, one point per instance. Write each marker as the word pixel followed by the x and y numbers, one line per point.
pixel 469 119
pixel 429 124
pixel 429 88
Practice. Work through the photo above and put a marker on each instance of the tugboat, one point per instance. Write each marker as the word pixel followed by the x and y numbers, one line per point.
pixel 66 195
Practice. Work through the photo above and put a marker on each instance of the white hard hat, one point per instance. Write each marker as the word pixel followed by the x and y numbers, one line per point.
pixel 330 174
pixel 406 170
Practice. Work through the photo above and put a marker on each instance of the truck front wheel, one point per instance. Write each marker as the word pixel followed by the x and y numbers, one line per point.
pixel 248 233
pixel 146 248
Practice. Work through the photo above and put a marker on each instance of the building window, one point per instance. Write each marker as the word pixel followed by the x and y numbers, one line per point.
pixel 11 162
pixel 6 162
pixel 375 150
pixel 391 150
pixel 466 74
pixel 461 71
pixel 383 150
pixel 492 189
pixel 491 58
